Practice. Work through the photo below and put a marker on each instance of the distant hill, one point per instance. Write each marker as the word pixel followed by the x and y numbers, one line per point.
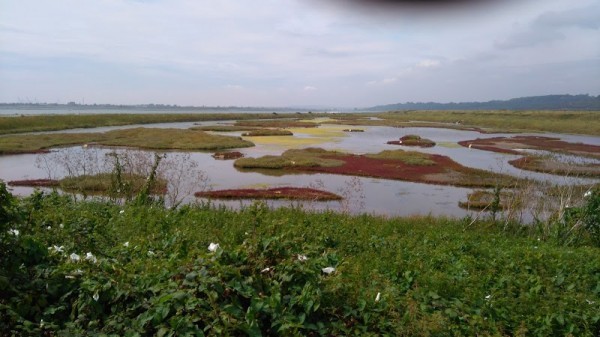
pixel 549 102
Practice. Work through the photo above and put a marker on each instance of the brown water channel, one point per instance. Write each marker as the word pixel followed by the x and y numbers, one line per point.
pixel 369 195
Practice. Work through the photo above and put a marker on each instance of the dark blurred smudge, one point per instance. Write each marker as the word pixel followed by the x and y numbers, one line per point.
pixel 413 5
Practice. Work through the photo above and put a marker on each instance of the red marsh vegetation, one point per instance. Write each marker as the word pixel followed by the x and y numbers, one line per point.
pixel 35 183
pixel 292 193
pixel 389 164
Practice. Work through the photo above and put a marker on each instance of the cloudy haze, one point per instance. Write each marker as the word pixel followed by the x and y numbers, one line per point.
pixel 294 52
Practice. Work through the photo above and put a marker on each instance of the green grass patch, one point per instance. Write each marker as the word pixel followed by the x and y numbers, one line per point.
pixel 407 157
pixel 144 138
pixel 267 132
pixel 126 270
pixel 309 157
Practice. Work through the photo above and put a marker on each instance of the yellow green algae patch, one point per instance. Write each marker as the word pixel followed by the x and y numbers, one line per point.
pixel 304 137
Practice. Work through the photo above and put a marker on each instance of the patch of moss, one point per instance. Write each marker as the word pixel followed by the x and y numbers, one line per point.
pixel 407 157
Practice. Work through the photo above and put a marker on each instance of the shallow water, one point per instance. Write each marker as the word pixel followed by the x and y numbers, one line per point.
pixel 369 195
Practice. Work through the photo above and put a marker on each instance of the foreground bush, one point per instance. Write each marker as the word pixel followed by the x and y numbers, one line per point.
pixel 88 268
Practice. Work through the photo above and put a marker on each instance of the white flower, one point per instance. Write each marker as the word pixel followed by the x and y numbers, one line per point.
pixel 96 296
pixel 488 297
pixel 48 228
pixel 126 244
pixel 213 247
pixel 14 232
pixel 151 253
pixel 587 194
pixel 266 270
pixel 378 297
pixel 122 211
pixel 90 257
pixel 328 270
pixel 56 249
pixel 61 226
pixel 74 257
pixel 302 258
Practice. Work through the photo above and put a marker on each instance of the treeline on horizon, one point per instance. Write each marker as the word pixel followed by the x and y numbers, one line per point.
pixel 548 102
pixel 145 107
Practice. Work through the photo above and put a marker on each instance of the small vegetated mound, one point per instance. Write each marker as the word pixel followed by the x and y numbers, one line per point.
pixel 292 193
pixel 487 200
pixel 227 155
pixel 512 144
pixel 96 184
pixel 389 164
pixel 353 130
pixel 103 183
pixel 280 124
pixel 548 164
pixel 267 132
pixel 413 140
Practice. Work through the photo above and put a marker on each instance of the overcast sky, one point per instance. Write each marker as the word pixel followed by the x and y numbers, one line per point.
pixel 294 52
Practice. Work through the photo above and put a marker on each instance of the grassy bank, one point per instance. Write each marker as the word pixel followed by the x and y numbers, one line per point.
pixel 579 122
pixel 144 138
pixel 22 124
pixel 76 268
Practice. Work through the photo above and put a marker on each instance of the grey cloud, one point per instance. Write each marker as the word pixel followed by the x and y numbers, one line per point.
pixel 588 17
pixel 549 27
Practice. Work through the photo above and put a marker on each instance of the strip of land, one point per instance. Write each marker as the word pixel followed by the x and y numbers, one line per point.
pixel 291 193
pixel 546 164
pixel 143 138
pixel 577 122
pixel 22 124
pixel 513 144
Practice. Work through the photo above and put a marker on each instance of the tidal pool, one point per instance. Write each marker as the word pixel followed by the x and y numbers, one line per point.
pixel 363 194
